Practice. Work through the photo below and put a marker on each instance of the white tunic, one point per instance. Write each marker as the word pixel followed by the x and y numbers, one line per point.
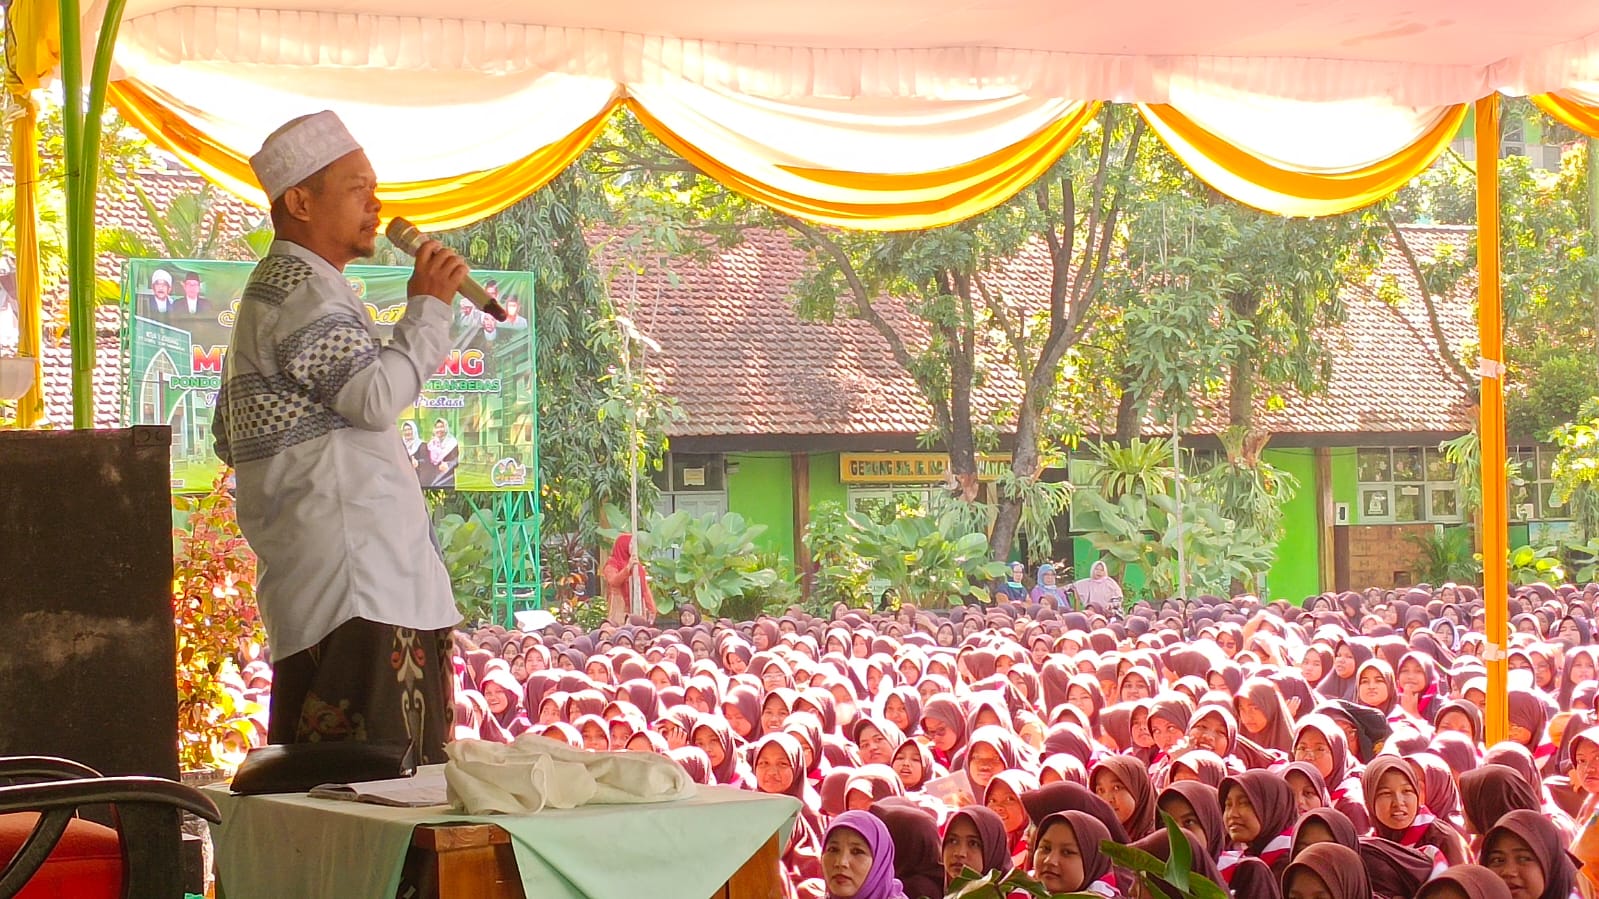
pixel 326 494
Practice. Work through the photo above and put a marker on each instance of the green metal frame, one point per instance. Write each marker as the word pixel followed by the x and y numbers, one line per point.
pixel 518 565
pixel 519 520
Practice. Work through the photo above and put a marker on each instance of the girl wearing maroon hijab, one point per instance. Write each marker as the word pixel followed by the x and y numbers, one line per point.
pixel 1394 797
pixel 1526 851
pixel 1259 812
pixel 1068 859
pixel 1327 868
pixel 1123 782
pixel 945 727
pixel 1321 742
pixel 974 838
pixel 1465 882
pixel 715 738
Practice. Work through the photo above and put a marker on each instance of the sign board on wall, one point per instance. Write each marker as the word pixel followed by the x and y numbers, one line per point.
pixel 472 428
pixel 908 468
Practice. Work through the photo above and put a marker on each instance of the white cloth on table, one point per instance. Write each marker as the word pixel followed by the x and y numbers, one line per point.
pixel 532 773
pixel 326 493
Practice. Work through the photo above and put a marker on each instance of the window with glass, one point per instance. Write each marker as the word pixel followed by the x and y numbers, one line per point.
pixel 1532 488
pixel 1406 484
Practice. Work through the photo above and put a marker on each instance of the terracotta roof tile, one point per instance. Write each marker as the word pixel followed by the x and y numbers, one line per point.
pixel 740 361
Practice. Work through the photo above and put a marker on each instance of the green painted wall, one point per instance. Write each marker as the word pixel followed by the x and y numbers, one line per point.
pixel 1296 573
pixel 1083 558
pixel 1345 486
pixel 825 485
pixel 763 492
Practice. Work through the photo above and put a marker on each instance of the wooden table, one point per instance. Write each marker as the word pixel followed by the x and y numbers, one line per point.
pixel 475 861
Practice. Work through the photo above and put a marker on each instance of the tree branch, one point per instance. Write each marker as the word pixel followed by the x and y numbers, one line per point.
pixel 864 309
pixel 1079 312
pixel 1096 200
pixel 1451 360
pixel 1006 324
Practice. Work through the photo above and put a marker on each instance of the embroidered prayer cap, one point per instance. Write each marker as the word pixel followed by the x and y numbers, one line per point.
pixel 299 149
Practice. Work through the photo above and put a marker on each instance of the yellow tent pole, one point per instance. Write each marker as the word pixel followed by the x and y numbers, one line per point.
pixel 31 52
pixel 1490 333
pixel 30 297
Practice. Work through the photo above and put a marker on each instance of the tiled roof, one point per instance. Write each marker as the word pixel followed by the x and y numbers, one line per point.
pixel 741 363
pixel 116 209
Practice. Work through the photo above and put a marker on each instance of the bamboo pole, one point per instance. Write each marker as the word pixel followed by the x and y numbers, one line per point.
pixel 1490 333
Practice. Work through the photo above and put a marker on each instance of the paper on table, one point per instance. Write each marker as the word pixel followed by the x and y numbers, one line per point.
pixel 425 789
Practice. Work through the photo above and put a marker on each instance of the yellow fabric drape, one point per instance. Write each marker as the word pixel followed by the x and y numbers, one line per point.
pixel 439 204
pixel 899 202
pixel 1262 185
pixel 1580 116
pixel 33 52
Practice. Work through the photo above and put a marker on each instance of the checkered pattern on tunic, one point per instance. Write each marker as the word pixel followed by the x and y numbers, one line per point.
pixel 284 397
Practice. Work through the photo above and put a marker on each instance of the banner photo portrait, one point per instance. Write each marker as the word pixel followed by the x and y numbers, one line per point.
pixel 472 429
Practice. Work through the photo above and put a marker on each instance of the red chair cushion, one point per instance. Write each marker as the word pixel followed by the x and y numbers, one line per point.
pixel 86 863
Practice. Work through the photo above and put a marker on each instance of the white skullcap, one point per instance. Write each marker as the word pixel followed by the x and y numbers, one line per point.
pixel 300 149
pixel 161 277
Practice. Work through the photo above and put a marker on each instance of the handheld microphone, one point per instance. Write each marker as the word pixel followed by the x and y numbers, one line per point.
pixel 407 239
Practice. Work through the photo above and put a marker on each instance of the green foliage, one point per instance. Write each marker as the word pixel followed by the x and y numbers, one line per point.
pixel 587 409
pixel 1536 565
pixel 708 561
pixel 1550 267
pixel 1174 875
pixel 1576 468
pixel 1447 556
pixel 213 607
pixel 1246 489
pixel 1144 531
pixel 1583 559
pixel 773 599
pixel 1042 502
pixel 926 559
pixel 971 885
pixel 1557 381
pixel 466 536
pixel 840 575
pixel 1137 468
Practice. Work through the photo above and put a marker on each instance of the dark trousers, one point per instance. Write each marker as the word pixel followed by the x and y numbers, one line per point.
pixel 367 681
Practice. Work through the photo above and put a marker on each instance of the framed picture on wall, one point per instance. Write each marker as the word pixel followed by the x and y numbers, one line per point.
pixel 1376 504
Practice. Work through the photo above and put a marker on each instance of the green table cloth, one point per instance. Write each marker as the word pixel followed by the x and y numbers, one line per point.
pixel 270 847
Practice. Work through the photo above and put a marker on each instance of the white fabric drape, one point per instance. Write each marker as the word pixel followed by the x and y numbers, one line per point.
pixel 416 124
pixel 786 97
pixel 1323 138
pixel 874 135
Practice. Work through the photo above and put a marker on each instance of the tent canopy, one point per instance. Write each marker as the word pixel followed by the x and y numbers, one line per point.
pixel 894 114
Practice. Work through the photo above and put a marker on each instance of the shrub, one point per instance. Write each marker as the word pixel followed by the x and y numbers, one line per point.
pixel 213 608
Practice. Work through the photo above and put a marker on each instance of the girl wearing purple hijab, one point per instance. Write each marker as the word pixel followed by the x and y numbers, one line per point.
pixel 858 859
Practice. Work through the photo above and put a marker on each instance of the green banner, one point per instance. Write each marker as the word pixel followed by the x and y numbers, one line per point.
pixel 472 428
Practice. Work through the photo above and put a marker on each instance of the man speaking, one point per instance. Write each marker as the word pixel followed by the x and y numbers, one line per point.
pixel 356 601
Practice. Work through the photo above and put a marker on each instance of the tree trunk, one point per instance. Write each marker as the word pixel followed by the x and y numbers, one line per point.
pixel 1025 463
pixel 1129 417
pixel 962 440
